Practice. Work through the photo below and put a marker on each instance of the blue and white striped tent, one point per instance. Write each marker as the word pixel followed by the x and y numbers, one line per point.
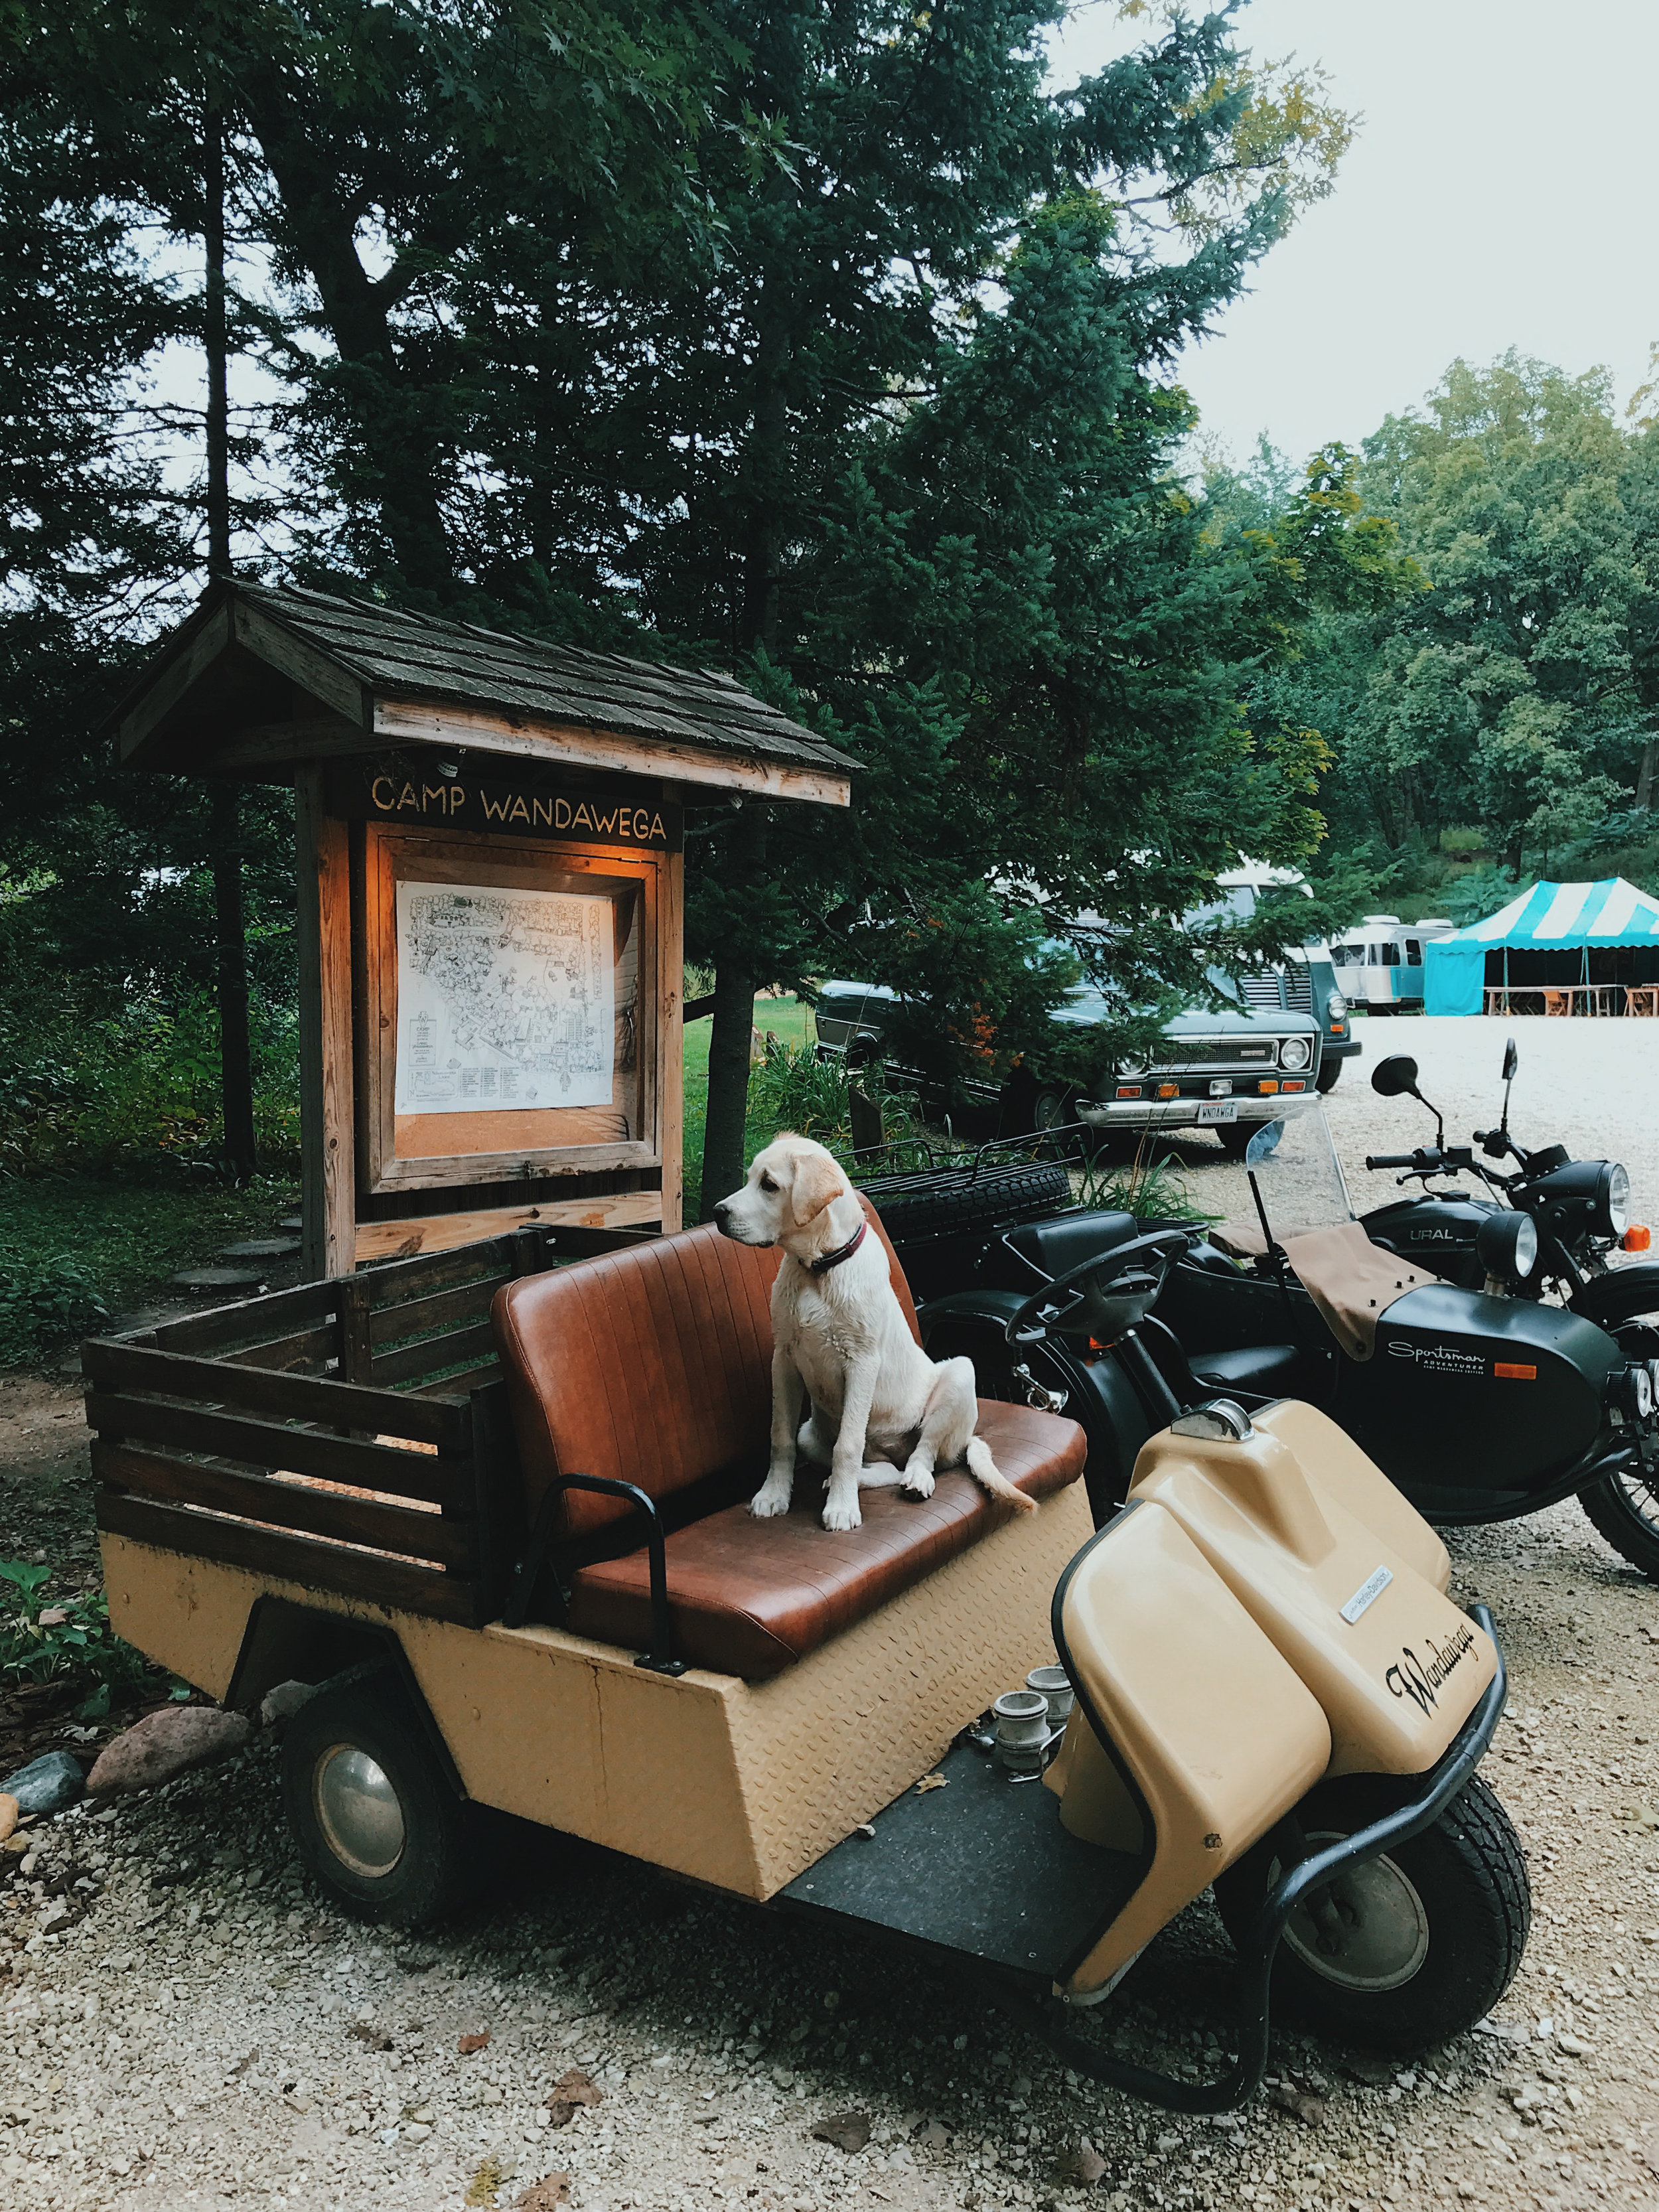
pixel 1553 918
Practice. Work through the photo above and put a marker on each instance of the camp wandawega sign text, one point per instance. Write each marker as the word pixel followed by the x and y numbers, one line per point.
pixel 468 802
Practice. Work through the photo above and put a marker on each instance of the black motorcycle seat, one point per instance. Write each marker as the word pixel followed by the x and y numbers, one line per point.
pixel 1052 1247
pixel 1264 1370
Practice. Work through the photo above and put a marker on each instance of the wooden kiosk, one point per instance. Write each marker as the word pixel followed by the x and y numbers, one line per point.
pixel 490 872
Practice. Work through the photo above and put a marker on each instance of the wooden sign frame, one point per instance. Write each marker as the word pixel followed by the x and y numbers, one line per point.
pixel 398 1152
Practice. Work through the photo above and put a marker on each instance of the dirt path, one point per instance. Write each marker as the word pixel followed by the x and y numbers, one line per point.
pixel 204 2033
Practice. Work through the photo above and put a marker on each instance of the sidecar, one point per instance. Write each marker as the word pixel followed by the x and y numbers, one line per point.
pixel 1274 1697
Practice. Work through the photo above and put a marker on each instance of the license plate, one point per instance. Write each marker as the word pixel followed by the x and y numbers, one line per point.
pixel 1218 1109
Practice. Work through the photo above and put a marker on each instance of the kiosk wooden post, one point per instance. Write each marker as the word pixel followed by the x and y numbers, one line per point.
pixel 490 888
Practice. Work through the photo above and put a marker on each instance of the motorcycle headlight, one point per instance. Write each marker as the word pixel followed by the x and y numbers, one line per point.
pixel 1336 1007
pixel 1508 1245
pixel 1612 1200
pixel 1296 1052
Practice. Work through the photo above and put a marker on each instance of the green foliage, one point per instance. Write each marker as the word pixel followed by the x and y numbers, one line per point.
pixel 74 1247
pixel 1149 1187
pixel 793 1088
pixel 1511 694
pixel 45 1639
pixel 136 1091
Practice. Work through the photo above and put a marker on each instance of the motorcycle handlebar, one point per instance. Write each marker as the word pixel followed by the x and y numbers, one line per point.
pixel 1391 1160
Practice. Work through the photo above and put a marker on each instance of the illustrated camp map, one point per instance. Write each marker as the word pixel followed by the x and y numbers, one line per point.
pixel 506 999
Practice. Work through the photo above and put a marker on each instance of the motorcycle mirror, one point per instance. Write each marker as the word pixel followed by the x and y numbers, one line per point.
pixel 1394 1076
pixel 1264 1143
pixel 1511 1061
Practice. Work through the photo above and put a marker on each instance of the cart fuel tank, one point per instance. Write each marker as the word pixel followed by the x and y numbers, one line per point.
pixel 1469 1393
pixel 1337 1572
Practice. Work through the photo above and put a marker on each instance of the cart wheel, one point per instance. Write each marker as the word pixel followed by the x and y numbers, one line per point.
pixel 1409 1950
pixel 374 1817
pixel 1234 1136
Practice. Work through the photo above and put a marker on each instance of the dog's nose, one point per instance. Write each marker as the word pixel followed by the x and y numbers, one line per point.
pixel 722 1210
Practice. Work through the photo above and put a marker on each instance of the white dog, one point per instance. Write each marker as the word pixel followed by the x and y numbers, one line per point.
pixel 839 1335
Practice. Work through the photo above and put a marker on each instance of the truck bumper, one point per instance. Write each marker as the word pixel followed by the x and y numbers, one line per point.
pixel 1184 1113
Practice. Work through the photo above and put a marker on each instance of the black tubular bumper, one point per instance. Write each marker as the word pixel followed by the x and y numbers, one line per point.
pixel 1437 1788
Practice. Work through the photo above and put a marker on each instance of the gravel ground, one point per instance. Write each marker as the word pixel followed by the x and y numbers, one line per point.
pixel 185 2023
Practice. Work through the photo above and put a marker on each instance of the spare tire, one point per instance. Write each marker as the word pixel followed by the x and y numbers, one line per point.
pixel 955 1201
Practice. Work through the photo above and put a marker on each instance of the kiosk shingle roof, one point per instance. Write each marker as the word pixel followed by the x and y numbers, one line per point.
pixel 414 656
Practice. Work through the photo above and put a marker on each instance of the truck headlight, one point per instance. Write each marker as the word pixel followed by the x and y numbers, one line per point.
pixel 1336 1007
pixel 1296 1052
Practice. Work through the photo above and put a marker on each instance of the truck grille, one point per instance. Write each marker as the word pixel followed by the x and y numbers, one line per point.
pixel 1291 988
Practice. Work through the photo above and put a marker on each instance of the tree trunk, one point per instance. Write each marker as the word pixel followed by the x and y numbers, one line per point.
pixel 732 1032
pixel 1644 775
pixel 389 406
pixel 236 1057
pixel 216 343
pixel 230 933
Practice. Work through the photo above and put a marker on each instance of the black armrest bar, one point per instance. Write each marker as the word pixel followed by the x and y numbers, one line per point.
pixel 527 1573
pixel 1439 1786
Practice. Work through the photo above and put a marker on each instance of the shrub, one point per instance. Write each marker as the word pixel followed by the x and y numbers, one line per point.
pixel 794 1089
pixel 69 1637
pixel 41 1306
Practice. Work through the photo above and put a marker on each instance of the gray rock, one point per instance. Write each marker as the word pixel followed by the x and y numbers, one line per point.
pixel 218 1279
pixel 284 1701
pixel 164 1744
pixel 261 1247
pixel 45 1784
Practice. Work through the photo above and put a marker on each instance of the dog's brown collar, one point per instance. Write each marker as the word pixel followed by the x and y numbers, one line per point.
pixel 822 1265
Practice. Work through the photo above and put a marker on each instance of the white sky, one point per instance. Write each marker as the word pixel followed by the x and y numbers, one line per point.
pixel 1500 191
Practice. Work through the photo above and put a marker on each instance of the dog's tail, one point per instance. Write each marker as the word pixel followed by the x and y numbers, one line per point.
pixel 985 1470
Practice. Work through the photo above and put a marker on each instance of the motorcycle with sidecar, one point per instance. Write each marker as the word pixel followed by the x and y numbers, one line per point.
pixel 1580 1215
pixel 1480 1406
pixel 1275 1696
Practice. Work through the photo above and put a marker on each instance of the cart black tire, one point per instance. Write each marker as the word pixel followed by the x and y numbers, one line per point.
pixel 1463 1882
pixel 947 1203
pixel 1329 1076
pixel 1614 1503
pixel 391 1846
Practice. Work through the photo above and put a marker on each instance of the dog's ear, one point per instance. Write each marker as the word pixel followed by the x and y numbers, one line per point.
pixel 819 1180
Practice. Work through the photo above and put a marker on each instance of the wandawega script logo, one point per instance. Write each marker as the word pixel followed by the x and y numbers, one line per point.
pixel 1419 1678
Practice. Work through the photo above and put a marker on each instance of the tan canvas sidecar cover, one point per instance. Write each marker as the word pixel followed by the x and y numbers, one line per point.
pixel 1351 1280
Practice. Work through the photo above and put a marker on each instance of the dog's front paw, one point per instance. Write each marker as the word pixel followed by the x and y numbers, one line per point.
pixel 919 1481
pixel 771 1499
pixel 843 1513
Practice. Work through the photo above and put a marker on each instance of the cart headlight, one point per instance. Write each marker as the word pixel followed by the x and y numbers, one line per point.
pixel 1612 1201
pixel 1508 1246
pixel 1336 1007
pixel 1296 1052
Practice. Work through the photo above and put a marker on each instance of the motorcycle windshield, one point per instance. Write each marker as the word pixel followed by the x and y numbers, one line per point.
pixel 1300 1178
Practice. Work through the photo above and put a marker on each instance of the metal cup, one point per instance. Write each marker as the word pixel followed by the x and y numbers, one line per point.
pixel 1053 1687
pixel 1022 1726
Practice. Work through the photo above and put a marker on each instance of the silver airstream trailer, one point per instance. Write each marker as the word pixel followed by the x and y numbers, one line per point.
pixel 1379 964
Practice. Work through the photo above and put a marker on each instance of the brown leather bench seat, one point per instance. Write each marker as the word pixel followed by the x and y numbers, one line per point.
pixel 652 1366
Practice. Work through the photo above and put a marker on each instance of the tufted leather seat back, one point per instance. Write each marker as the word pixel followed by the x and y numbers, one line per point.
pixel 652 1366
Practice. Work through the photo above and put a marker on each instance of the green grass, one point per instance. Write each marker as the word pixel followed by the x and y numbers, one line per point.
pixel 74 1249
pixel 790 1022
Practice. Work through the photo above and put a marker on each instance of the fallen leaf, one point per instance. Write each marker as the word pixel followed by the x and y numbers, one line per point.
pixel 1084 2164
pixel 572 2088
pixel 375 2038
pixel 1308 2109
pixel 546 2195
pixel 54 1617
pixel 472 2043
pixel 849 2131
pixel 867 1830
pixel 932 1782
pixel 482 2189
